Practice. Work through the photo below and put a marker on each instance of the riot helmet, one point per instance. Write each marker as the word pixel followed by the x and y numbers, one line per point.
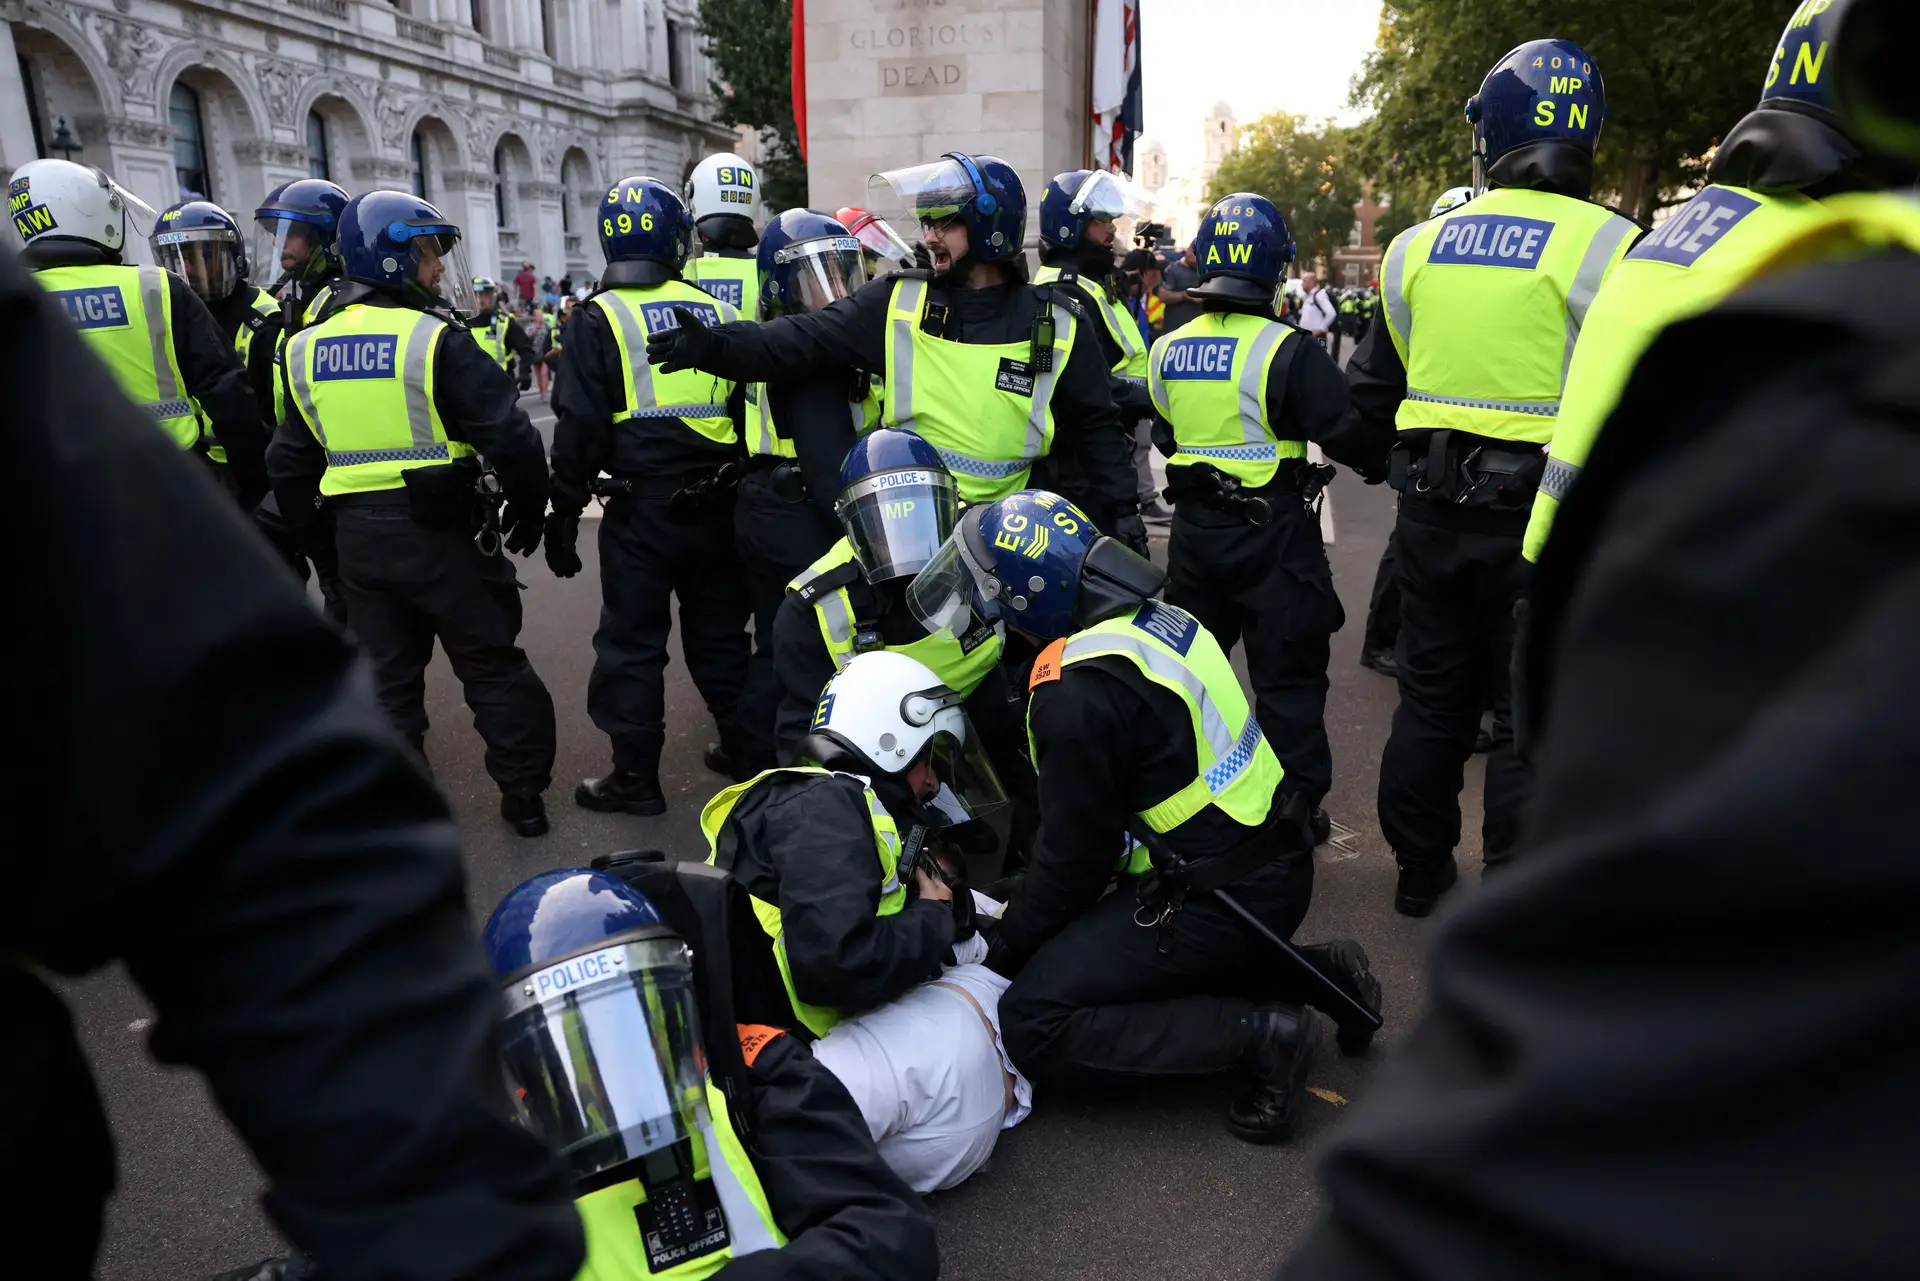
pixel 807 260
pixel 720 197
pixel 1080 200
pixel 644 232
pixel 897 503
pixel 1537 119
pixel 982 196
pixel 398 243
pixel 883 245
pixel 57 204
pixel 1450 199
pixel 1243 250
pixel 296 227
pixel 200 242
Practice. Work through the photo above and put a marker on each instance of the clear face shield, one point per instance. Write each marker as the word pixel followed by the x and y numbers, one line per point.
pixel 602 1051
pixel 207 258
pixel 954 589
pixel 1112 198
pixel 440 267
pixel 287 246
pixel 970 788
pixel 929 197
pixel 882 243
pixel 898 520
pixel 140 215
pixel 819 271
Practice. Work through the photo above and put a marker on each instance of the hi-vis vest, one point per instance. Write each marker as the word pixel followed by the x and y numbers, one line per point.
pixel 960 664
pixel 980 404
pixel 1484 305
pixel 1209 380
pixel 363 379
pixel 1132 364
pixel 886 844
pixel 266 306
pixel 1238 770
pixel 765 436
pixel 617 1244
pixel 126 316
pixel 1684 266
pixel 493 339
pixel 734 281
pixel 700 400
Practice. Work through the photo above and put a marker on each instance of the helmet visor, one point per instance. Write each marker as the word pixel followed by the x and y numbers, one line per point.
pixel 141 216
pixel 602 1052
pixel 970 787
pixel 898 520
pixel 929 195
pixel 954 589
pixel 819 271
pixel 207 258
pixel 881 240
pixel 440 267
pixel 1110 197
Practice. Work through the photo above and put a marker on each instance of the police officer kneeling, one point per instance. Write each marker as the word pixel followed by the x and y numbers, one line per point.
pixel 389 406
pixel 1136 717
pixel 772 1174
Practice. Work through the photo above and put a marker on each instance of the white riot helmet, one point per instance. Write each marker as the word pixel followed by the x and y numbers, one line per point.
pixel 720 197
pixel 885 712
pixel 1452 198
pixel 55 200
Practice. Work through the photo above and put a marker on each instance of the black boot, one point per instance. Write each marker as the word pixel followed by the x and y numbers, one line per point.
pixel 524 811
pixel 623 792
pixel 1420 888
pixel 1345 962
pixel 1380 660
pixel 418 742
pixel 1320 826
pixel 1281 1050
pixel 734 763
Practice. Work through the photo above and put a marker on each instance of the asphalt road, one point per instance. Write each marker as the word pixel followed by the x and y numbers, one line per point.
pixel 1145 1183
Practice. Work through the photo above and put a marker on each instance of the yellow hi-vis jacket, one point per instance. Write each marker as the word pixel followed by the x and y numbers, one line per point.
pixel 126 316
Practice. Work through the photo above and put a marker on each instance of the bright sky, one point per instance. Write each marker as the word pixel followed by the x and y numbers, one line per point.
pixel 1256 55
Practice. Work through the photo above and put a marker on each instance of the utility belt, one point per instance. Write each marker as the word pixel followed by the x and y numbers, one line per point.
pixel 1173 879
pixel 1296 481
pixel 1466 480
pixel 463 495
pixel 784 476
pixel 709 493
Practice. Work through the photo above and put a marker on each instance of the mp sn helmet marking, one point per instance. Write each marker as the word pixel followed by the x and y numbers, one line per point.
pixel 1545 92
pixel 720 195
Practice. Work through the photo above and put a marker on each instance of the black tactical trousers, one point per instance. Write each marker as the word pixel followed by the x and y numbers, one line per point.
pixel 1270 586
pixel 1383 603
pixel 777 540
pixel 1106 999
pixel 1457 594
pixel 406 585
pixel 646 559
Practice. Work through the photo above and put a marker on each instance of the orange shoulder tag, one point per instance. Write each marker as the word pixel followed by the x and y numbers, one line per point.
pixel 755 1037
pixel 1047 666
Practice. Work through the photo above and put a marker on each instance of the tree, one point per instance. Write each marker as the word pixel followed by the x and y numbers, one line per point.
pixel 1677 78
pixel 1296 163
pixel 752 53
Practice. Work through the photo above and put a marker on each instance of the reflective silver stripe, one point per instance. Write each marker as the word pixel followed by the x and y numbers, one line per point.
pixel 1393 284
pixel 414 380
pixel 153 298
pixel 682 411
pixel 746 1233
pixel 1156 385
pixel 169 408
pixel 297 378
pixel 640 372
pixel 1587 281
pixel 908 296
pixel 1253 385
pixel 1538 408
pixel 1063 324
pixel 1220 739
pixel 418 454
pixel 1559 478
pixel 1120 324
pixel 1129 378
pixel 763 418
pixel 836 614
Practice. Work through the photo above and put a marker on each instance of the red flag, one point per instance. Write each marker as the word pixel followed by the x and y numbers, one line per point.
pixel 800 72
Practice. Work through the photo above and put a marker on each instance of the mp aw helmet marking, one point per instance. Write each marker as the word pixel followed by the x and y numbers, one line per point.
pixel 645 233
pixel 1243 250
pixel 1538 116
pixel 57 201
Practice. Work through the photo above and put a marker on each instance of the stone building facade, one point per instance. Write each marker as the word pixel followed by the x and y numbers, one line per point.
pixel 512 116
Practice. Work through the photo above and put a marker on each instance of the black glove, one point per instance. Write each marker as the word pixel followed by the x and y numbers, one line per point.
pixel 563 537
pixel 687 346
pixel 1132 531
pixel 520 527
pixel 962 909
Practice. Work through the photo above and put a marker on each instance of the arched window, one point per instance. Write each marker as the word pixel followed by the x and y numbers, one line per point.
pixel 189 143
pixel 318 163
pixel 477 12
pixel 500 185
pixel 419 154
pixel 548 39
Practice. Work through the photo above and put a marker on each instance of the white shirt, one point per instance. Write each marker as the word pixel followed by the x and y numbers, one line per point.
pixel 1317 313
pixel 930 1078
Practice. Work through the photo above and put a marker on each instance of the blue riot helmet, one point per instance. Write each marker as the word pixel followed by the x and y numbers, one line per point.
pixel 1034 562
pixel 602 1039
pixel 395 241
pixel 981 194
pixel 1537 119
pixel 645 233
pixel 200 242
pixel 1242 250
pixel 296 226
pixel 806 261
pixel 1080 197
pixel 897 503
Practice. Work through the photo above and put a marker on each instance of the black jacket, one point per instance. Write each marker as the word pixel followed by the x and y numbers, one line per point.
pixel 805 844
pixel 821 417
pixel 846 1215
pixel 588 391
pixel 477 401
pixel 517 341
pixel 1108 744
pixel 851 333
pixel 1678 1039
pixel 214 799
pixel 233 313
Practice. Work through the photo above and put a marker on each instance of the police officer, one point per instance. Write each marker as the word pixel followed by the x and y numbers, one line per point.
pixel 498 334
pixel 684 1161
pixel 295 228
pixel 389 410
pixel 166 352
pixel 1481 308
pixel 798 431
pixel 830 846
pixel 720 199
pixel 1243 394
pixel 200 242
pixel 990 370
pixel 665 440
pixel 1764 185
pixel 1136 719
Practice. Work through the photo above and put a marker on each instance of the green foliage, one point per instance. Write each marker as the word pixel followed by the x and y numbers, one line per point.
pixel 1297 164
pixel 1678 76
pixel 752 55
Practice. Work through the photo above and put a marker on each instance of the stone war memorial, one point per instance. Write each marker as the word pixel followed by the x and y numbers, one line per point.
pixel 897 82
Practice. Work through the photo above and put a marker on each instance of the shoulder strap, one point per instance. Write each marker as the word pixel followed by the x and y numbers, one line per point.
pixel 834 579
